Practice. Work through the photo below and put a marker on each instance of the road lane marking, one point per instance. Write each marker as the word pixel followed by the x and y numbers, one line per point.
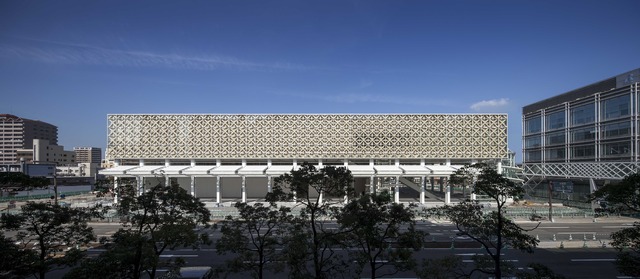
pixel 616 227
pixel 593 260
pixel 176 256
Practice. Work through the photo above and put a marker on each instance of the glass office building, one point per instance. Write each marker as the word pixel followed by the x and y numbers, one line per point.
pixel 583 138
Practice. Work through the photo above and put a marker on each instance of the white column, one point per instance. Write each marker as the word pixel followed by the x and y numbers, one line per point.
pixel 269 183
pixel 295 197
pixel 499 170
pixel 167 180
pixel 473 189
pixel 244 189
pixel 372 184
pixel 396 197
pixel 193 186
pixel 423 185
pixel 447 195
pixel 140 184
pixel 115 189
pixel 218 189
pixel 320 197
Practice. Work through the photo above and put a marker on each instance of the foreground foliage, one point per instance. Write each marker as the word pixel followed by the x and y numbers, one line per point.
pixel 165 217
pixel 253 238
pixel 380 233
pixel 308 236
pixel 624 196
pixel 53 233
pixel 491 230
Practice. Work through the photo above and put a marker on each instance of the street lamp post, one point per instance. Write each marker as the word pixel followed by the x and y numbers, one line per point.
pixel 55 186
pixel 550 204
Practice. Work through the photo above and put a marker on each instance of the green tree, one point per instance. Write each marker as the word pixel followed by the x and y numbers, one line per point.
pixel 165 217
pixel 464 176
pixel 254 237
pixel 310 234
pixel 492 230
pixel 14 261
pixel 624 196
pixel 54 232
pixel 20 181
pixel 382 233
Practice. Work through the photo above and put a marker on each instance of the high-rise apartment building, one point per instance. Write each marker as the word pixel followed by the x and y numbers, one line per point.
pixel 18 133
pixel 91 155
pixel 584 138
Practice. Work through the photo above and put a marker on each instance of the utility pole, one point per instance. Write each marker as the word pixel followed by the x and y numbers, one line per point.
pixel 550 204
pixel 55 186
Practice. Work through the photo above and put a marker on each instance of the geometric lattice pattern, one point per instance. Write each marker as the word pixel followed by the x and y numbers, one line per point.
pixel 307 136
pixel 595 170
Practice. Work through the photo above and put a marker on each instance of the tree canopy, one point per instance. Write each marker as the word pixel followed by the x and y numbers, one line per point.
pixel 624 196
pixel 54 232
pixel 491 229
pixel 254 237
pixel 379 233
pixel 165 217
pixel 308 236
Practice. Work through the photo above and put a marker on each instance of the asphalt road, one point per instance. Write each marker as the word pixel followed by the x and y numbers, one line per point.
pixel 572 262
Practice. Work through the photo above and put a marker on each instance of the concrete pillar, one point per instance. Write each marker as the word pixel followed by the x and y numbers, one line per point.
pixel 295 197
pixel 167 180
pixel 499 170
pixel 115 189
pixel 372 184
pixel 320 197
pixel 423 188
pixel 218 200
pixel 396 197
pixel 433 183
pixel 269 183
pixel 140 184
pixel 193 186
pixel 447 195
pixel 244 189
pixel 441 184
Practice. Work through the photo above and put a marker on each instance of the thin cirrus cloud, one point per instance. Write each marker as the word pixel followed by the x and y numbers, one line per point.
pixel 487 105
pixel 79 54
pixel 358 98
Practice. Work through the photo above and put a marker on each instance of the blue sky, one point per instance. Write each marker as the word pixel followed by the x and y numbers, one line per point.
pixel 70 63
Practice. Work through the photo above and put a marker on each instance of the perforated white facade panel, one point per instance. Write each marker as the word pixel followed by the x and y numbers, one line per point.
pixel 307 136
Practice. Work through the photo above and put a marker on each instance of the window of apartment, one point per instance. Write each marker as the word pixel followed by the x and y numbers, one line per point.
pixel 616 107
pixel 555 138
pixel 615 130
pixel 584 134
pixel 555 154
pixel 616 149
pixel 555 120
pixel 581 152
pixel 532 142
pixel 533 125
pixel 583 114
pixel 532 156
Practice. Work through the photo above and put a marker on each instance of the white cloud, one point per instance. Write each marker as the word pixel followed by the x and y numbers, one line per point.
pixel 91 55
pixel 490 104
